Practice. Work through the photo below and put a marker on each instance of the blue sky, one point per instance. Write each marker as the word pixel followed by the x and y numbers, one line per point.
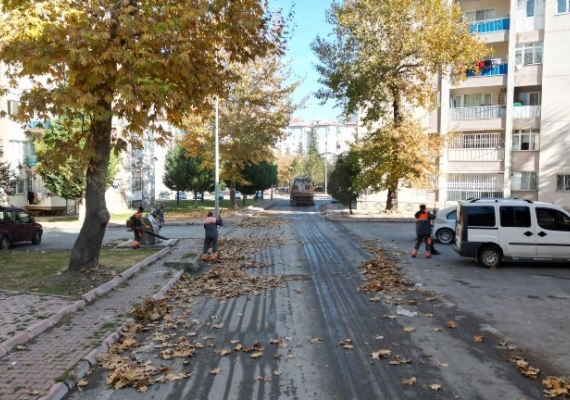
pixel 309 22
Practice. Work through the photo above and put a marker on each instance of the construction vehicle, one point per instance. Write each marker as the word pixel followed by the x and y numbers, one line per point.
pixel 302 191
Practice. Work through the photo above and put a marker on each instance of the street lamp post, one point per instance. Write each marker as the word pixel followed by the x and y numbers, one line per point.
pixel 217 162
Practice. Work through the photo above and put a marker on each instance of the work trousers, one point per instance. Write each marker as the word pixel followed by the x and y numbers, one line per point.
pixel 210 241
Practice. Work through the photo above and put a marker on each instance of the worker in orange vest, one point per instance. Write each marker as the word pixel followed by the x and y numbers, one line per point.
pixel 423 230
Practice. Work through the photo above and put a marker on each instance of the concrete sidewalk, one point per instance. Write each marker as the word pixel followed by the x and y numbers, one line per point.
pixel 64 338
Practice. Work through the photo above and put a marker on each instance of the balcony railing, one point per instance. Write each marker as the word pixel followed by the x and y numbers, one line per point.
pixel 490 25
pixel 479 112
pixel 526 112
pixel 497 154
pixel 500 69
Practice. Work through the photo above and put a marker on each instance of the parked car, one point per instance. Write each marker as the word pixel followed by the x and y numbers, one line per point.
pixel 493 230
pixel 238 195
pixel 444 225
pixel 17 226
pixel 220 196
pixel 164 195
pixel 198 196
pixel 182 196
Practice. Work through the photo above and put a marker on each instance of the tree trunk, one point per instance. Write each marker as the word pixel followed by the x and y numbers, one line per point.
pixel 233 204
pixel 392 199
pixel 393 179
pixel 85 253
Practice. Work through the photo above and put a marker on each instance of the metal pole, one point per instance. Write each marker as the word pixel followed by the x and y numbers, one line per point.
pixel 217 179
pixel 326 162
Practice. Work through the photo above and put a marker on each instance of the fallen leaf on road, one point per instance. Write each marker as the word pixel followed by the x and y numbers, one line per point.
pixel 451 324
pixel 215 371
pixel 316 340
pixel 479 338
pixel 276 372
pixel 346 343
pixel 257 354
pixel 410 382
pixel 409 329
pixel 435 386
pixel 381 353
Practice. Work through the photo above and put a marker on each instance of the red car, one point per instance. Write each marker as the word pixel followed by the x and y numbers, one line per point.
pixel 17 226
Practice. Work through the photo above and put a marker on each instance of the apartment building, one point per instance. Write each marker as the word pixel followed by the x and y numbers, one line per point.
pixel 333 137
pixel 509 118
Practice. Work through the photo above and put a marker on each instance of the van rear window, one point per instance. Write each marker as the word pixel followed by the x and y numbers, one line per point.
pixel 480 216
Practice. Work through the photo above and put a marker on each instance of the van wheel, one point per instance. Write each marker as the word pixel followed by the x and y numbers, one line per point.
pixel 490 256
pixel 444 235
pixel 4 243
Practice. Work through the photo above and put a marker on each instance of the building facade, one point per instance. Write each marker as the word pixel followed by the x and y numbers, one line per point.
pixel 511 132
pixel 507 124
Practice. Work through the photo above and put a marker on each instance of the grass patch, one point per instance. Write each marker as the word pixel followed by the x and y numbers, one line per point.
pixel 46 271
pixel 188 209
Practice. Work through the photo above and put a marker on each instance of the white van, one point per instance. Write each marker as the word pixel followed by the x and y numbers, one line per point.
pixel 492 230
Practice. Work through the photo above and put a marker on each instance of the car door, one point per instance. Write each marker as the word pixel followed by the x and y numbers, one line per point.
pixel 517 233
pixel 25 226
pixel 553 233
pixel 13 226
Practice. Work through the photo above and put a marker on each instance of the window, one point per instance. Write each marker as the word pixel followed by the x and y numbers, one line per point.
pixel 466 186
pixel 13 106
pixel 480 15
pixel 528 53
pixel 563 183
pixel 525 140
pixel 477 99
pixel 524 180
pixel 530 8
pixel 563 6
pixel 515 216
pixel 553 220
pixel 481 216
pixel 529 98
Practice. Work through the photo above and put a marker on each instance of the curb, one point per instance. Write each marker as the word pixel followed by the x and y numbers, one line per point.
pixel 59 390
pixel 37 328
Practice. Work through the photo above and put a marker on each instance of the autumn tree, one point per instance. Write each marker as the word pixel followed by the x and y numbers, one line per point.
pixel 252 117
pixel 382 63
pixel 137 62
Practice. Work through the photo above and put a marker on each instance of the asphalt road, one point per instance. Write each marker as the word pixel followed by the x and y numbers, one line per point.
pixel 519 310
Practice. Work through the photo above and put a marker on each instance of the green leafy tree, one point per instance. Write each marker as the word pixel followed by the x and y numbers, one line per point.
pixel 7 175
pixel 180 170
pixel 342 182
pixel 314 163
pixel 260 176
pixel 382 64
pixel 139 62
pixel 64 172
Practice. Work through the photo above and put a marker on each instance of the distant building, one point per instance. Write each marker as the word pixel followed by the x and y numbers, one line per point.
pixel 333 137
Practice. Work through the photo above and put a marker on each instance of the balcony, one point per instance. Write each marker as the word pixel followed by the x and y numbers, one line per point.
pixel 490 25
pixel 479 112
pixel 500 69
pixel 521 112
pixel 471 155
